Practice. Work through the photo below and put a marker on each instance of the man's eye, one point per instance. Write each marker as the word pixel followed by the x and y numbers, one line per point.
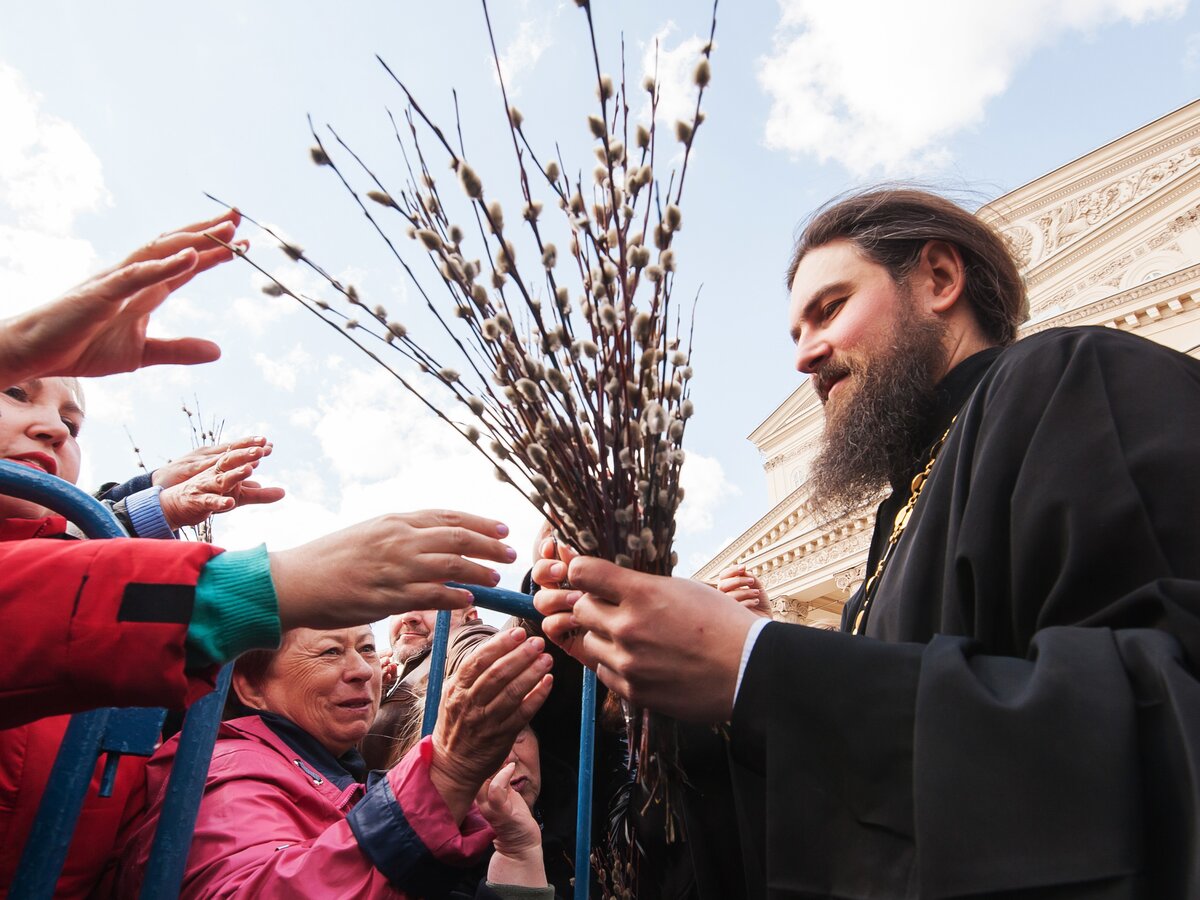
pixel 17 393
pixel 831 309
pixel 331 651
pixel 367 650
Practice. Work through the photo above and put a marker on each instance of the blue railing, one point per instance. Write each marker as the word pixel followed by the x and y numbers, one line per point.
pixel 133 731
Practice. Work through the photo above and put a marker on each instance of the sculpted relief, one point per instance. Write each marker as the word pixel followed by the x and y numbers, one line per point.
pixel 1062 225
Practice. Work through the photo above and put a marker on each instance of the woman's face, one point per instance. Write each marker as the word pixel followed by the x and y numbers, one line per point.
pixel 527 777
pixel 39 421
pixel 327 682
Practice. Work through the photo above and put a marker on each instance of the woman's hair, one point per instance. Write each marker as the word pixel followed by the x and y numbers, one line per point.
pixel 891 226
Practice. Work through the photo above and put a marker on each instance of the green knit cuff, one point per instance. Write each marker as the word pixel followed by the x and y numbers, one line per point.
pixel 236 609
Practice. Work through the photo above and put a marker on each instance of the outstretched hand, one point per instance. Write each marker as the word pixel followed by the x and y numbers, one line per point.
pixel 99 327
pixel 391 564
pixel 220 487
pixel 487 701
pixel 737 583
pixel 183 467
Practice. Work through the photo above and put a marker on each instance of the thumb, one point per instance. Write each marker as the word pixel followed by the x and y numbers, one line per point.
pixel 601 578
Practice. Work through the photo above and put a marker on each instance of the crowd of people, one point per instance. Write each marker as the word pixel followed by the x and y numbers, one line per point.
pixel 1009 710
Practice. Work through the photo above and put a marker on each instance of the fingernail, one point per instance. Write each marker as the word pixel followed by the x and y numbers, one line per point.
pixel 502 530
pixel 517 634
pixel 510 554
pixel 557 570
pixel 495 577
pixel 537 643
pixel 545 661
pixel 573 597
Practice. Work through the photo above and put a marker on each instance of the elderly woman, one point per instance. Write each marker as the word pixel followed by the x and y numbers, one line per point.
pixel 285 812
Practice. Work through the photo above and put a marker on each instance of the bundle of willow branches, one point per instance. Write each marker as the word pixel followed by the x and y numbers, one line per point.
pixel 571 370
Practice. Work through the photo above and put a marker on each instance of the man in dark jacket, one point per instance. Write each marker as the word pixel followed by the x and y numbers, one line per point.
pixel 1012 708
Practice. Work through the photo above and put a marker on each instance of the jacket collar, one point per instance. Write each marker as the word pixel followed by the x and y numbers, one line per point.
pixel 344 771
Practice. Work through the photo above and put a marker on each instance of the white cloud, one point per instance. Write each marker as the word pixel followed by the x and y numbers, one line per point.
pixel 281 371
pixel 705 489
pixel 884 89
pixel 522 53
pixel 48 177
pixel 675 68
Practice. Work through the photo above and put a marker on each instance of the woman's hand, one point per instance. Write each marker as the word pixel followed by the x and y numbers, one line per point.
pixel 388 565
pixel 486 703
pixel 518 857
pixel 222 486
pixel 180 469
pixel 746 589
pixel 99 327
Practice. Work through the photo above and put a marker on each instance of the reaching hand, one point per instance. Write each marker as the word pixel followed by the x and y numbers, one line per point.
pixel 518 843
pixel 746 589
pixel 220 487
pixel 487 701
pixel 99 327
pixel 196 461
pixel 388 565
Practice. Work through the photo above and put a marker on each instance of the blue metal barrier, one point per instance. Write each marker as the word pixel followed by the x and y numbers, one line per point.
pixel 116 732
pixel 521 606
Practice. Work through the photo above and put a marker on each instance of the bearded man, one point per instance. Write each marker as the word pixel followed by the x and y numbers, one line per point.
pixel 1012 708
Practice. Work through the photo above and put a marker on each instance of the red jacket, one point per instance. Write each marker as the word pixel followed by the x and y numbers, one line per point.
pixel 76 637
pixel 89 624
pixel 271 826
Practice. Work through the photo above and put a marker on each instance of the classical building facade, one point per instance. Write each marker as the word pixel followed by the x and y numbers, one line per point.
pixel 1111 239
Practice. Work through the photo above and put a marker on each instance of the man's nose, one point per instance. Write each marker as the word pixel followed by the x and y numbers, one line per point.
pixel 811 353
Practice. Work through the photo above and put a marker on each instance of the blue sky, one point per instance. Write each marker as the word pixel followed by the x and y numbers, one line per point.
pixel 115 118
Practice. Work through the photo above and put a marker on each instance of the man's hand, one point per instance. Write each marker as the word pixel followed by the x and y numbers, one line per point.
pixel 487 701
pixel 388 565
pixel 99 327
pixel 518 843
pixel 220 487
pixel 391 669
pixel 746 589
pixel 194 462
pixel 672 645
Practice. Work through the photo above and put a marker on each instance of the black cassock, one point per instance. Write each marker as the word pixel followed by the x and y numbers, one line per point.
pixel 1022 714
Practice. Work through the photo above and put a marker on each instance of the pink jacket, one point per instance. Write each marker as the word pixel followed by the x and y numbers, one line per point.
pixel 271 826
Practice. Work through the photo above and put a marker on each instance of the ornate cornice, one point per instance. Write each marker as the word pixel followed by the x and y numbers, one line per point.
pixel 1112 227
pixel 1077 185
pixel 1161 309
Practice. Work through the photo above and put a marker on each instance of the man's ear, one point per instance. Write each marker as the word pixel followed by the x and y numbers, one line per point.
pixel 247 692
pixel 940 276
pixel 470 614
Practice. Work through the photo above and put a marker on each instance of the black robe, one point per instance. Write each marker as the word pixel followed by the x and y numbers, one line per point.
pixel 1022 714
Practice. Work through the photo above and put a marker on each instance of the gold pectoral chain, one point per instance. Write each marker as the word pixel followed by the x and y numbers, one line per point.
pixel 898 526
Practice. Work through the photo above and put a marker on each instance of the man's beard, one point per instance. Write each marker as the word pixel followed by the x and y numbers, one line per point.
pixel 878 432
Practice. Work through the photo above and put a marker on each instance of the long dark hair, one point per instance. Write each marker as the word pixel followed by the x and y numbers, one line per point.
pixel 891 226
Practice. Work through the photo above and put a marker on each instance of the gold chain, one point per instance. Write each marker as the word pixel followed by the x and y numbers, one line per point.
pixel 898 526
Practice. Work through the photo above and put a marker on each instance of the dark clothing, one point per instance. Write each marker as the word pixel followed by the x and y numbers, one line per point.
pixel 112 491
pixel 1022 717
